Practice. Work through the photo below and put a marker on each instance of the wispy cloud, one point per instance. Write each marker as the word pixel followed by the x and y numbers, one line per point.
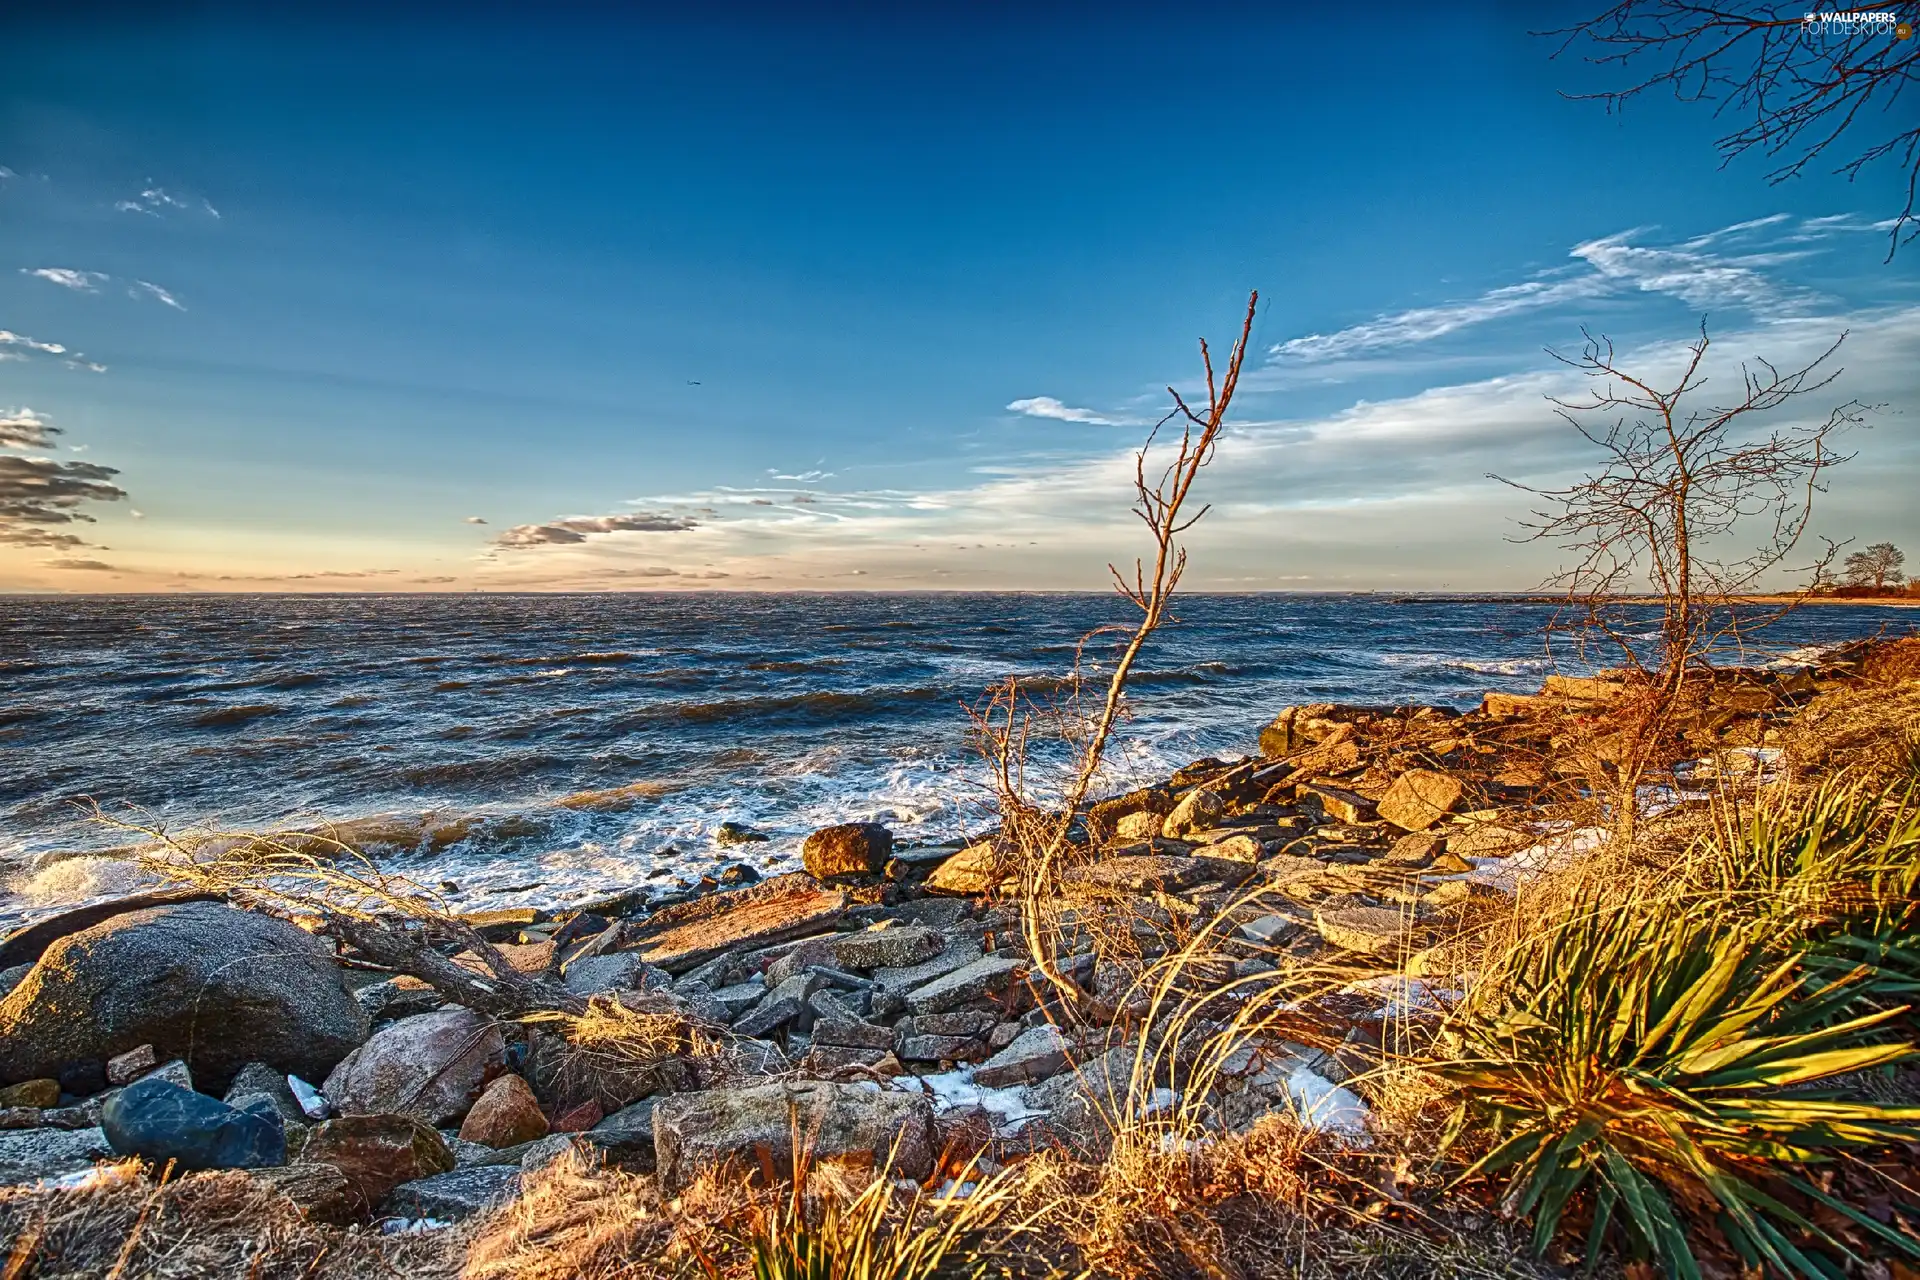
pixel 38 494
pixel 155 200
pixel 579 528
pixel 154 291
pixel 8 338
pixel 803 477
pixel 1048 407
pixel 69 278
pixel 89 566
pixel 1702 272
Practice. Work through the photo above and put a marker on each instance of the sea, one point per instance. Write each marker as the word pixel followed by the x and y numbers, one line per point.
pixel 480 734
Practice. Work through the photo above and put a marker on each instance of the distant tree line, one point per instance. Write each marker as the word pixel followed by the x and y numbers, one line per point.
pixel 1877 570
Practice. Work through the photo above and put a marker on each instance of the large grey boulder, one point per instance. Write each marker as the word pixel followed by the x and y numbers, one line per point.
pixel 199 981
pixel 697 1131
pixel 432 1066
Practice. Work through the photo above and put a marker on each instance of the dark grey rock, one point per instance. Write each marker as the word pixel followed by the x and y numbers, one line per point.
pixel 160 1121
pixel 207 983
pixel 697 1131
pixel 256 1080
pixel 450 1197
pixel 939 1048
pixel 1033 1055
pixel 984 977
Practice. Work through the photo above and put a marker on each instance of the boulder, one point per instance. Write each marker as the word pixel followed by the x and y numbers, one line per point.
pixel 450 1197
pixel 1143 825
pixel 1197 810
pixel 756 1126
pixel 1278 738
pixel 25 946
pixel 28 1155
pixel 1105 816
pixel 849 849
pixel 376 1153
pixel 1419 798
pixel 506 1115
pixel 972 871
pixel 162 1122
pixel 431 1066
pixel 200 981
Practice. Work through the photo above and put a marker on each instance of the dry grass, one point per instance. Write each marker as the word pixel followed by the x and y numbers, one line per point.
pixel 625 1046
pixel 191 1228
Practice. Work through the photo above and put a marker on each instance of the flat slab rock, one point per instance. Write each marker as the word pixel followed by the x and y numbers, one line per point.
pixel 682 937
pixel 1168 872
pixel 984 977
pixel 453 1196
pixel 696 1131
pixel 1371 930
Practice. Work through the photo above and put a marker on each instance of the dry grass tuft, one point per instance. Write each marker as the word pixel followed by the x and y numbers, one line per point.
pixel 627 1046
pixel 125 1225
pixel 575 1220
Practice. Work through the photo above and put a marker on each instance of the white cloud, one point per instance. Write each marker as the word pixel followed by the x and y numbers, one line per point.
pixel 1693 271
pixel 803 477
pixel 1389 492
pixel 69 278
pixel 1048 407
pixel 11 339
pixel 155 291
pixel 475 520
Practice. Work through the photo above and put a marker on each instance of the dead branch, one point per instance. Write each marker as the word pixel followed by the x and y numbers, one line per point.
pixel 1795 84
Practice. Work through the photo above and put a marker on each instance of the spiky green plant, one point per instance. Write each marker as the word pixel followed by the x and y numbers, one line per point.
pixel 882 1235
pixel 1842 857
pixel 1657 1054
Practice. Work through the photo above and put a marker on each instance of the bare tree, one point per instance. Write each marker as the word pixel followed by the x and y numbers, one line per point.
pixel 1679 474
pixel 1041 836
pixel 1792 83
pixel 1878 566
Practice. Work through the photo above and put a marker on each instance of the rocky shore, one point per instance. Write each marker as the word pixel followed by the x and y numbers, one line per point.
pixel 882 1003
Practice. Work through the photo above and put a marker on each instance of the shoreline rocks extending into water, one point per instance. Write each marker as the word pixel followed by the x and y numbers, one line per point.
pixel 883 998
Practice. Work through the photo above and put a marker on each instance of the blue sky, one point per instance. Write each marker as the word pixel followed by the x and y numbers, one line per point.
pixel 836 297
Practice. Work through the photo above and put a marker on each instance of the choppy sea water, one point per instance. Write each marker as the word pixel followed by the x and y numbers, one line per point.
pixel 478 721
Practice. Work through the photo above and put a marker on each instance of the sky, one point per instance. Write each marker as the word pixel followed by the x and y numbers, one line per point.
pixel 808 297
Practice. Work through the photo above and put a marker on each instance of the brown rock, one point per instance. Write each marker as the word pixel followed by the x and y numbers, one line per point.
pixel 681 937
pixel 1199 809
pixel 1337 802
pixel 31 1093
pixel 1137 826
pixel 974 870
pixel 1239 848
pixel 531 958
pixel 376 1153
pixel 1583 688
pixel 1419 798
pixel 506 1115
pixel 1505 706
pixel 131 1065
pixel 432 1065
pixel 849 849
pixel 581 1118
pixel 1370 930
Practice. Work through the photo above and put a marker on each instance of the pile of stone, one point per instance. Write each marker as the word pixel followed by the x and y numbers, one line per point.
pixel 882 997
